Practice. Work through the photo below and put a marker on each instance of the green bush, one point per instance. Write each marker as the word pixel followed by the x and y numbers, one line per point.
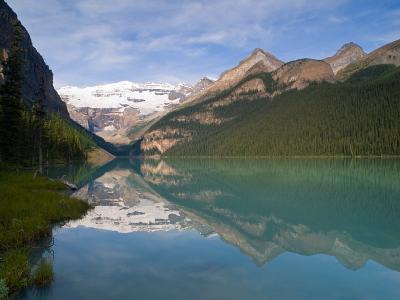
pixel 43 274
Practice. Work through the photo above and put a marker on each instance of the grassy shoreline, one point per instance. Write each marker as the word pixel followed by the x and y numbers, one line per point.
pixel 29 208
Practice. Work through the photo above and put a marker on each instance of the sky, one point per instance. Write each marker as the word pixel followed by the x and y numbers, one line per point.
pixel 88 42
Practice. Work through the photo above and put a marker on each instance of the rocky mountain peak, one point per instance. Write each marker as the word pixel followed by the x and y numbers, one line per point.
pixel 258 55
pixel 349 47
pixel 258 52
pixel 264 60
pixel 347 54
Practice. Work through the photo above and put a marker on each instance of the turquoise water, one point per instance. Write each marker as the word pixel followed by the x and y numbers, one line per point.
pixel 232 229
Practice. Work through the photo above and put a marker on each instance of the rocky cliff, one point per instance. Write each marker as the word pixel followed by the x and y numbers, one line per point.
pixel 346 55
pixel 35 71
pixel 300 73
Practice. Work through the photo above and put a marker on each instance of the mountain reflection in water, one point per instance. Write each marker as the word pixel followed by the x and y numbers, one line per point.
pixel 342 208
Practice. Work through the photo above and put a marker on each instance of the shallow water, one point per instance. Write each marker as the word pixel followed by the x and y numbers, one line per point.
pixel 232 229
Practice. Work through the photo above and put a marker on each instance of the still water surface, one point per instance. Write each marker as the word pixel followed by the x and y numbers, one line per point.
pixel 231 229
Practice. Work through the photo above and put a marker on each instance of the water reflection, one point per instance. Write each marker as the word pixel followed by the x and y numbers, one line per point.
pixel 343 208
pixel 124 202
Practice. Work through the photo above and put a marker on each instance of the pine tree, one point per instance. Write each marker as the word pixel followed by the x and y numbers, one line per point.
pixel 11 118
pixel 39 118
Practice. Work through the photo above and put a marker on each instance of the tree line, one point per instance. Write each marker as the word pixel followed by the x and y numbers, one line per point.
pixel 359 117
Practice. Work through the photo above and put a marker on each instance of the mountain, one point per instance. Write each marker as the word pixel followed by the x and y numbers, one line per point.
pixel 118 112
pixel 387 55
pixel 346 55
pixel 300 108
pixel 259 61
pixel 35 71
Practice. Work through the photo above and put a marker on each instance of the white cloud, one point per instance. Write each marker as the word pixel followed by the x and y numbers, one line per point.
pixel 89 39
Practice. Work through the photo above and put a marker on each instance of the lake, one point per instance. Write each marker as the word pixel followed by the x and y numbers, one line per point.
pixel 231 229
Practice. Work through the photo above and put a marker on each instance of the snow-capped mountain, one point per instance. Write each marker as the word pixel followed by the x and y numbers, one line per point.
pixel 118 112
pixel 147 98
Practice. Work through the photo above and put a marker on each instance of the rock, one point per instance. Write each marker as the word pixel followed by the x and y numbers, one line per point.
pixel 254 85
pixel 300 73
pixel 68 184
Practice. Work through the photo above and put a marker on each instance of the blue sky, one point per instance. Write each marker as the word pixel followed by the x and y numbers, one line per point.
pixel 89 42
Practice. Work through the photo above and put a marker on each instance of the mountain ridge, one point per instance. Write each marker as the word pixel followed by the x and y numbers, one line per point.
pixel 208 122
pixel 387 54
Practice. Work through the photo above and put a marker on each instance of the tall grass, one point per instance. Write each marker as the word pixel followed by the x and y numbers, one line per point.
pixel 29 207
pixel 43 274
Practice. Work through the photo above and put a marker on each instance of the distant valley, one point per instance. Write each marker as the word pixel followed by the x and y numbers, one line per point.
pixel 120 112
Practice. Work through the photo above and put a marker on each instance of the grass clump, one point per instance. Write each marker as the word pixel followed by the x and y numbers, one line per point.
pixel 15 270
pixel 3 289
pixel 29 208
pixel 43 274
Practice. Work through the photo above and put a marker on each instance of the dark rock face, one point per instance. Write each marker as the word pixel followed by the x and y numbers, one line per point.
pixel 35 71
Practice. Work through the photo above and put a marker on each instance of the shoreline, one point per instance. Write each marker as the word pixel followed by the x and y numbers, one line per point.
pixel 30 207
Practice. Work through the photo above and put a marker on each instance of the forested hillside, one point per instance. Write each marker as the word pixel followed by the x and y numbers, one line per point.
pixel 360 116
pixel 31 135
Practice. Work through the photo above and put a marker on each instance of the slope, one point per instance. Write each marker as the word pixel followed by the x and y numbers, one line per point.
pixel 358 117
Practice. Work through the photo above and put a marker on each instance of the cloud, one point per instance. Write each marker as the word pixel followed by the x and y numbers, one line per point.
pixel 90 41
